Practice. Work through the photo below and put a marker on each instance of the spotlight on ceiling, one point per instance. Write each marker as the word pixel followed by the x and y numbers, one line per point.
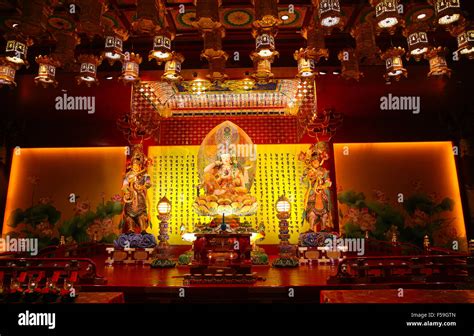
pixel 421 16
pixel 285 17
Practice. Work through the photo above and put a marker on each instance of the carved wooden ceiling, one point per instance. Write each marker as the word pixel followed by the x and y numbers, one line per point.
pixel 236 16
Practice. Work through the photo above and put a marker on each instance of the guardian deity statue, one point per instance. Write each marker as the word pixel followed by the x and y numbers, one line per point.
pixel 317 199
pixel 135 185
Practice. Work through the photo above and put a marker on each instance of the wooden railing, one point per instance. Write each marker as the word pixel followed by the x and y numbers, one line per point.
pixel 76 270
pixel 405 269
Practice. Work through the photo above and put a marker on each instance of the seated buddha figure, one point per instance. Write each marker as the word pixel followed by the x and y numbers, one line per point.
pixel 225 176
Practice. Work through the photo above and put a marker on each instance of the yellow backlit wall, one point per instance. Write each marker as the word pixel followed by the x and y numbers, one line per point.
pixel 174 175
pixel 92 174
pixel 394 168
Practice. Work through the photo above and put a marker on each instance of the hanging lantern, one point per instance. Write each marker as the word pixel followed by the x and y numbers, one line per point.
pixel 306 65
pixel 329 13
pixel 15 52
pixel 437 60
pixel 114 45
pixel 466 43
pixel 349 64
pixel 447 11
pixel 131 68
pixel 161 49
pixel 262 69
pixel 265 45
pixel 394 64
pixel 47 71
pixel 417 44
pixel 7 72
pixel 386 14
pixel 88 70
pixel 173 68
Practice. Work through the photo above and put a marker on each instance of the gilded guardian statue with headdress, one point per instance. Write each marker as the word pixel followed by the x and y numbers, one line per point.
pixel 317 200
pixel 134 187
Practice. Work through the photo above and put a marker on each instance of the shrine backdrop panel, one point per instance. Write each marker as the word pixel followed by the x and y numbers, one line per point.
pixel 408 188
pixel 74 192
pixel 174 175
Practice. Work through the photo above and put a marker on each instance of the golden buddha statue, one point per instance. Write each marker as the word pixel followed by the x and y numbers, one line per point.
pixel 226 170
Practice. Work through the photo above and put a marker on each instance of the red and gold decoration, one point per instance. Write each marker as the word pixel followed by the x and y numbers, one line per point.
pixel 173 68
pixel 47 71
pixel 437 60
pixel 207 15
pixel 213 53
pixel 315 42
pixel 88 69
pixel 386 15
pixel 131 68
pixel 212 32
pixel 349 64
pixel 34 15
pixel 7 72
pixel 197 86
pixel 394 64
pixel 323 125
pixel 65 45
pixel 149 18
pixel 242 85
pixel 266 15
pixel 90 17
pixel 113 50
pixel 366 46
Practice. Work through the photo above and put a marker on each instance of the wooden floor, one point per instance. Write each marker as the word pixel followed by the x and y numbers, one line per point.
pixel 140 283
pixel 145 276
